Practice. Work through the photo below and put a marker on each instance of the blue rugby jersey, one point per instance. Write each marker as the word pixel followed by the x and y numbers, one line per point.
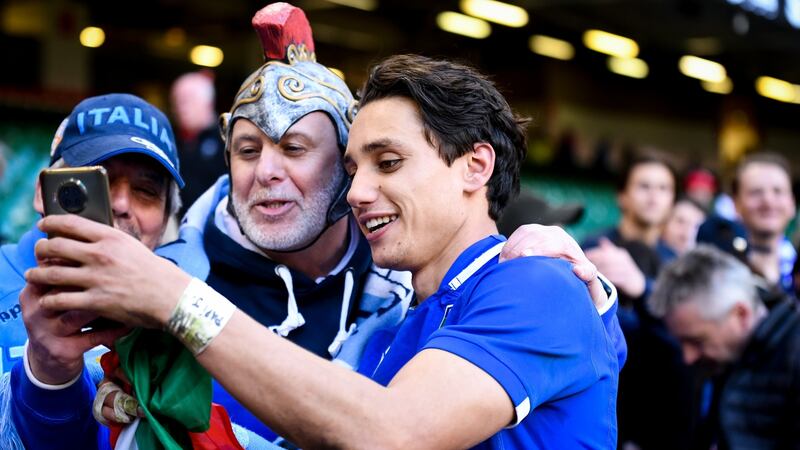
pixel 531 325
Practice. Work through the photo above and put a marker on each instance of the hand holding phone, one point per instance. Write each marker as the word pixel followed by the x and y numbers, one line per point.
pixel 83 191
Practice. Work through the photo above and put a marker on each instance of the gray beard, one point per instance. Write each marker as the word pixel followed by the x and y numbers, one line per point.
pixel 311 222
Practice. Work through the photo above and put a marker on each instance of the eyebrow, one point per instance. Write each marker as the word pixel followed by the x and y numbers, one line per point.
pixel 374 146
pixel 245 137
pixel 155 176
pixel 379 144
pixel 297 135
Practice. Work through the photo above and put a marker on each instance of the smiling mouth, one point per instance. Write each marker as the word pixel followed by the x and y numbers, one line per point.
pixel 273 205
pixel 377 223
pixel 273 208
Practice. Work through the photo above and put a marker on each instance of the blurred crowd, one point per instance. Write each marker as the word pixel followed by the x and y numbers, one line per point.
pixel 694 377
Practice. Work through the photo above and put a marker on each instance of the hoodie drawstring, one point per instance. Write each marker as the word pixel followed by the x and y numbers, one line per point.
pixel 293 318
pixel 343 332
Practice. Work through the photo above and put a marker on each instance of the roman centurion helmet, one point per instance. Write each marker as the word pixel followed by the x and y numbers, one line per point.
pixel 290 85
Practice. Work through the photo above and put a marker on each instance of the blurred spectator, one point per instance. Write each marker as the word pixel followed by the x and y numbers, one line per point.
pixel 200 146
pixel 700 185
pixel 658 403
pixel 530 208
pixel 632 252
pixel 680 231
pixel 710 303
pixel 762 192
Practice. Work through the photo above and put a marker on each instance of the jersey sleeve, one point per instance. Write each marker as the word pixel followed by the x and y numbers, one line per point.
pixel 611 322
pixel 531 325
pixel 54 418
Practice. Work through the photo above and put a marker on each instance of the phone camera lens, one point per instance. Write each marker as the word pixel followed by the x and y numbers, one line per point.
pixel 72 196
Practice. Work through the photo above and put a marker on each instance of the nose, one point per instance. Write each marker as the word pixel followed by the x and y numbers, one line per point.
pixel 363 190
pixel 271 166
pixel 121 199
pixel 772 197
pixel 690 354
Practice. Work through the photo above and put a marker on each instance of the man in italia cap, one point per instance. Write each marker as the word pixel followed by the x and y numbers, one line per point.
pixel 135 144
pixel 109 125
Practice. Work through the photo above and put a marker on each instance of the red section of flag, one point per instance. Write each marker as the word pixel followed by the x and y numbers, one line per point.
pixel 219 435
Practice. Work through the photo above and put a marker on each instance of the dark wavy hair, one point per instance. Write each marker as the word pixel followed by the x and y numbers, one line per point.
pixel 641 158
pixel 459 107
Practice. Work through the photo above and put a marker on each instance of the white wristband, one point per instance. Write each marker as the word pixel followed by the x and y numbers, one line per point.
pixel 611 291
pixel 39 384
pixel 199 316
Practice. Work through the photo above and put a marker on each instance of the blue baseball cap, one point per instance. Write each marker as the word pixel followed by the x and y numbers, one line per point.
pixel 727 235
pixel 108 125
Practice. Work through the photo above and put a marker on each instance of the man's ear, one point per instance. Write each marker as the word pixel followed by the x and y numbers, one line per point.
pixel 38 204
pixel 480 166
pixel 743 315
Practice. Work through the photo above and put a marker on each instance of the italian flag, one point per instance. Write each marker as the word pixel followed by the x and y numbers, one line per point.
pixel 173 390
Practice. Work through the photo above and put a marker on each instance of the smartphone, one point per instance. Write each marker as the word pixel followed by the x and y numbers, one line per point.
pixel 83 191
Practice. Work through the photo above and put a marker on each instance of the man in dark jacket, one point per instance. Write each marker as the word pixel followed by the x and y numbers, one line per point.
pixel 709 301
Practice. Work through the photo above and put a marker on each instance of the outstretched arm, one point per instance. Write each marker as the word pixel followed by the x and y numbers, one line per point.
pixel 349 410
pixel 301 396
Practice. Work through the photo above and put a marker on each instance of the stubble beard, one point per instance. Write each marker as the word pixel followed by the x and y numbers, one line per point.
pixel 128 228
pixel 274 235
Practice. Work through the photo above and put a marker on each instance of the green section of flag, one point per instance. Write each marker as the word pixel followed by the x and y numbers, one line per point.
pixel 173 389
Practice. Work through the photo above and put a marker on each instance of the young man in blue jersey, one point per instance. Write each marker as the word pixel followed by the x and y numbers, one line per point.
pixel 434 156
pixel 133 140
